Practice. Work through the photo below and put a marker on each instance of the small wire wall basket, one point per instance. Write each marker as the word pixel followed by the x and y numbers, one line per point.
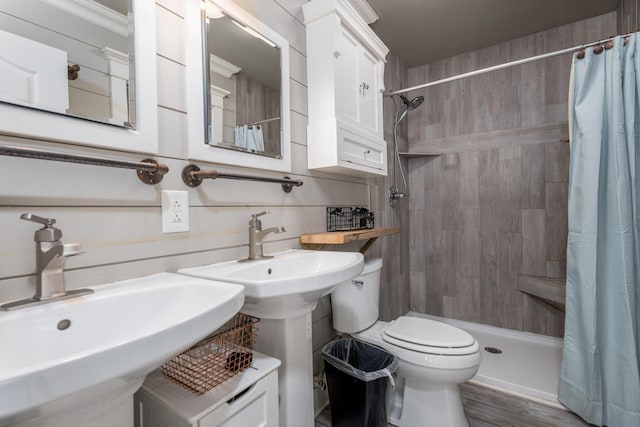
pixel 216 358
pixel 348 219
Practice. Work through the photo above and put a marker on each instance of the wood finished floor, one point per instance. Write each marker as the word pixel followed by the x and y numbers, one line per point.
pixel 485 407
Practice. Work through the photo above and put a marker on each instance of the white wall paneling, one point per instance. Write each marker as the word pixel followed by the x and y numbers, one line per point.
pixel 117 219
pixel 133 233
pixel 170 44
pixel 298 69
pixel 172 75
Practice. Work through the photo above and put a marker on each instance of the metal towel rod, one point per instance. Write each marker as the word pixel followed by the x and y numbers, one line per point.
pixel 148 170
pixel 193 177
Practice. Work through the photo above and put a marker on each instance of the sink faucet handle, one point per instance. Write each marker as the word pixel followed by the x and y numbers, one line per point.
pixel 47 222
pixel 256 215
pixel 48 233
pixel 255 222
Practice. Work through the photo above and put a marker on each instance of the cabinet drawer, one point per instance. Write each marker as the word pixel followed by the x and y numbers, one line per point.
pixel 356 149
pixel 257 406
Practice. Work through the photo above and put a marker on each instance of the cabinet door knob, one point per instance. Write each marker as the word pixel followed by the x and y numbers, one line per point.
pixel 337 54
pixel 364 87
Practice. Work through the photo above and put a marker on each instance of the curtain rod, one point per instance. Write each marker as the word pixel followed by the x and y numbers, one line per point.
pixel 264 121
pixel 501 66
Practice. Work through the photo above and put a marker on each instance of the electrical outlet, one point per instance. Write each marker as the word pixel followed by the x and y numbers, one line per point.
pixel 175 211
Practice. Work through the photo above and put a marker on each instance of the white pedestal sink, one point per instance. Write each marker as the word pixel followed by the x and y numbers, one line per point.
pixel 283 291
pixel 77 362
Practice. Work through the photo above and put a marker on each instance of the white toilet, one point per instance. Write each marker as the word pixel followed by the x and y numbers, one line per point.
pixel 433 357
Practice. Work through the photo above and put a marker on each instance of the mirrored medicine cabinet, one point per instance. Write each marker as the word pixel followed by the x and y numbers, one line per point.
pixel 239 80
pixel 79 71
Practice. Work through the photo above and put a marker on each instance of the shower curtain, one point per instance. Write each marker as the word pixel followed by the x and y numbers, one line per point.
pixel 600 374
pixel 249 137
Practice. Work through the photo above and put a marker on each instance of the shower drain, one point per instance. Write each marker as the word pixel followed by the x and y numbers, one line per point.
pixel 493 350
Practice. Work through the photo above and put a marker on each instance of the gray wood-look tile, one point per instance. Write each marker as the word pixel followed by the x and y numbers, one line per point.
pixel 451 262
pixel 489 245
pixel 418 178
pixel 469 171
pixel 557 228
pixel 533 242
pixel 556 269
pixel 417 291
pixel 417 226
pixel 491 139
pixel 433 230
pixel 434 283
pixel 510 190
pixel 541 317
pixel 394 250
pixel 501 136
pixel 556 162
pixel 512 316
pixel 533 174
pixel 628 15
pixel 509 267
pixel 488 167
pixel 470 242
pixel 485 407
pixel 489 406
pixel 450 192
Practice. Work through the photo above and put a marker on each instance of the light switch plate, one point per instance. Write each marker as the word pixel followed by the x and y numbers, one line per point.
pixel 175 211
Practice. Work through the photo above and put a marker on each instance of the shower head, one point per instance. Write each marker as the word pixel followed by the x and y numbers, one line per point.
pixel 409 104
pixel 414 103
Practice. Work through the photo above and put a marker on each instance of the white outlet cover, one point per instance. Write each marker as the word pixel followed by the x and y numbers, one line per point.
pixel 175 211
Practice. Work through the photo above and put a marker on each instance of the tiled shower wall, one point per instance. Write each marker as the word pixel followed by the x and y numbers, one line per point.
pixel 394 250
pixel 494 206
pixel 628 18
pixel 485 218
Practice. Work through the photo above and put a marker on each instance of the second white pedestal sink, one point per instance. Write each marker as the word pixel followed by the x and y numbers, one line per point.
pixel 77 362
pixel 283 291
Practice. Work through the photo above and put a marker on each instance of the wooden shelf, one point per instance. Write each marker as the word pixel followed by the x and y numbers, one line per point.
pixel 323 240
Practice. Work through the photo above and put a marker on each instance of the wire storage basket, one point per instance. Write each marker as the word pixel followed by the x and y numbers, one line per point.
pixel 216 358
pixel 348 219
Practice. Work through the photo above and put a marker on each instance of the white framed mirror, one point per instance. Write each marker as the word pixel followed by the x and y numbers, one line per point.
pixel 82 72
pixel 237 88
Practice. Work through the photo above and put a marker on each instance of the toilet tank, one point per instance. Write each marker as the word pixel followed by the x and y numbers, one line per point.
pixel 355 303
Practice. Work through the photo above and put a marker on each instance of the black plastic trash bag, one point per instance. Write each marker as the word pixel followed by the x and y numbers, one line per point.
pixel 357 377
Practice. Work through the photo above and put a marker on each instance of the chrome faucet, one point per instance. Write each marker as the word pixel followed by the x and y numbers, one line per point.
pixel 257 235
pixel 51 256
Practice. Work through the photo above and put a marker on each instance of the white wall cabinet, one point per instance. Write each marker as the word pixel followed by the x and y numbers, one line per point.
pixel 345 68
pixel 248 399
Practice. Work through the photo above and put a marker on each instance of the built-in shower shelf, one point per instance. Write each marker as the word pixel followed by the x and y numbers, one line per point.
pixel 416 155
pixel 551 291
pixel 325 240
pixel 479 141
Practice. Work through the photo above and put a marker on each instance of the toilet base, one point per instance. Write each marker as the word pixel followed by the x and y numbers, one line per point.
pixel 428 399
pixel 429 405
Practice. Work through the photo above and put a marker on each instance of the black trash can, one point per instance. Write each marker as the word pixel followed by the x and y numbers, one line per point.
pixel 357 377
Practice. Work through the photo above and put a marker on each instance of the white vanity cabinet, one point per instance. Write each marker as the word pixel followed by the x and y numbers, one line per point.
pixel 345 67
pixel 248 399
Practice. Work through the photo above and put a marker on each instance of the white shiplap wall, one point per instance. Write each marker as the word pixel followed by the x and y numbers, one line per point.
pixel 117 219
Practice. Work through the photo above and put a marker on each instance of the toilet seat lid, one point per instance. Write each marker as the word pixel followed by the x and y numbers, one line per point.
pixel 417 332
